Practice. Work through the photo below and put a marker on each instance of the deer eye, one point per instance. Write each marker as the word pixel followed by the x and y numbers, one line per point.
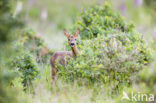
pixel 68 39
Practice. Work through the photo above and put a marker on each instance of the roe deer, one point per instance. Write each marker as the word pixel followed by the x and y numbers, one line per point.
pixel 59 56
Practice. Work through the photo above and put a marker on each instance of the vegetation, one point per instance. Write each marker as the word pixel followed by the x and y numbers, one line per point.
pixel 32 52
pixel 151 4
pixel 108 59
pixel 114 57
pixel 8 25
pixel 35 45
pixel 28 68
pixel 101 20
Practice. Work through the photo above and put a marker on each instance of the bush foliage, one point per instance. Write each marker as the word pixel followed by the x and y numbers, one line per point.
pixel 100 20
pixel 32 42
pixel 27 67
pixel 31 53
pixel 115 58
pixel 112 55
pixel 8 24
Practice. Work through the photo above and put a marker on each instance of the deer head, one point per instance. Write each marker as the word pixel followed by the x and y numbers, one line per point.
pixel 72 38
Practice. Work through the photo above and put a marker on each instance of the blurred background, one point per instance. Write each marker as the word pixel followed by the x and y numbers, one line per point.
pixel 49 17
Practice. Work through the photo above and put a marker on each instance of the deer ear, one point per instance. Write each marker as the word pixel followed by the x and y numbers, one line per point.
pixel 77 33
pixel 66 33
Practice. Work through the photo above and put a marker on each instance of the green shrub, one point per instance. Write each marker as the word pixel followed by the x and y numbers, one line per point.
pixel 35 45
pixel 8 25
pixel 111 56
pixel 31 52
pixel 100 20
pixel 144 83
pixel 147 78
pixel 108 59
pixel 27 67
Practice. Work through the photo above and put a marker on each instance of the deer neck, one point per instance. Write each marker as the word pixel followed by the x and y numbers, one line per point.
pixel 75 51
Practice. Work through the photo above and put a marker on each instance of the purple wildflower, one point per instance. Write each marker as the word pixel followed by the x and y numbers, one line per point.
pixel 100 2
pixel 44 13
pixel 32 2
pixel 138 2
pixel 123 9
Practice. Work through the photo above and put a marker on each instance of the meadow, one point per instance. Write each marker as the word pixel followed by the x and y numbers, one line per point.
pixel 117 51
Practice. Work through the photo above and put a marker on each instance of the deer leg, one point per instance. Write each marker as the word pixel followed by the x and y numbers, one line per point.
pixel 53 74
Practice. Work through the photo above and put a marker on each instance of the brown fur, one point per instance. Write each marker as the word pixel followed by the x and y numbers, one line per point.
pixel 59 56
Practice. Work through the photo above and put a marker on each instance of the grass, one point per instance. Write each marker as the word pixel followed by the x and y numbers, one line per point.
pixel 61 92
